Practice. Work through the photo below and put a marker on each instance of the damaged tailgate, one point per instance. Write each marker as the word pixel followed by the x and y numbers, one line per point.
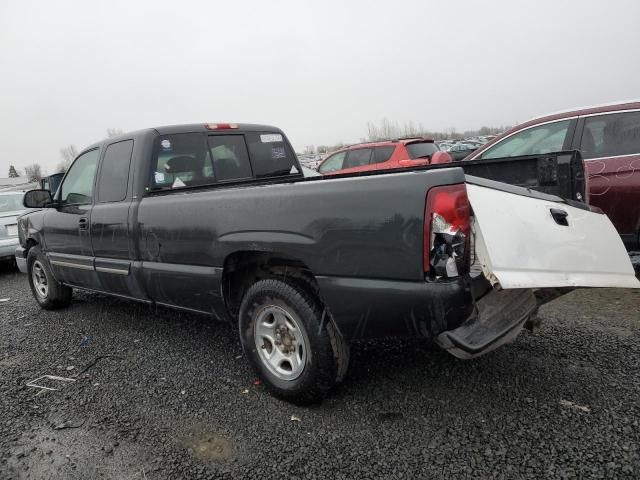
pixel 528 239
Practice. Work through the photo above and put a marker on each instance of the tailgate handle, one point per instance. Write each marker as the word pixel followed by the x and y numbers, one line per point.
pixel 560 216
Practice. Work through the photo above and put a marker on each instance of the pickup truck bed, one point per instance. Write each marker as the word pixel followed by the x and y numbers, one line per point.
pixel 217 219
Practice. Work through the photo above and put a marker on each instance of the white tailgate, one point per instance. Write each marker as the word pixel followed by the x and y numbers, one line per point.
pixel 519 244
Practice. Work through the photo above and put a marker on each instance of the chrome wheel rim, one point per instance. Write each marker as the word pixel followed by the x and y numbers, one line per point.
pixel 39 277
pixel 281 343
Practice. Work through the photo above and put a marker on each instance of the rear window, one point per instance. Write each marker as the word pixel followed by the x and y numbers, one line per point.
pixel 229 156
pixel 270 155
pixel 192 159
pixel 180 160
pixel 421 150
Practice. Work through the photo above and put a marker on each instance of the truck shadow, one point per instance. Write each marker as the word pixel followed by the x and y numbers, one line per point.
pixel 388 369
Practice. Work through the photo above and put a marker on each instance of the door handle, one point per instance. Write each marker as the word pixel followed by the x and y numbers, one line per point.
pixel 560 216
pixel 83 223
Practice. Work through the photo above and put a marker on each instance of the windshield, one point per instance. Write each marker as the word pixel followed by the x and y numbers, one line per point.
pixel 11 203
pixel 421 150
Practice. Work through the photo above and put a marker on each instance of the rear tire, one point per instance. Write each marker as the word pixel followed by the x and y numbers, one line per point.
pixel 47 291
pixel 291 342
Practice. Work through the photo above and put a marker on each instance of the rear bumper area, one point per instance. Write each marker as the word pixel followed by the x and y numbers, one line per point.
pixel 21 259
pixel 500 318
pixel 366 308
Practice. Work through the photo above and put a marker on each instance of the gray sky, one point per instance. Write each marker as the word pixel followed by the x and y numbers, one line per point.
pixel 319 70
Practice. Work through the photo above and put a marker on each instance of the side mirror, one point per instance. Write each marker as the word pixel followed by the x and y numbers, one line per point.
pixel 37 199
pixel 440 157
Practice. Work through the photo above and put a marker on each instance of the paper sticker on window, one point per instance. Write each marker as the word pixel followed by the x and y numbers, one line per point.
pixel 166 144
pixel 178 183
pixel 277 153
pixel 270 138
pixel 159 176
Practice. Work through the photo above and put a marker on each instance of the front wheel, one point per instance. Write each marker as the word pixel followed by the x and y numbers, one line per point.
pixel 290 341
pixel 48 292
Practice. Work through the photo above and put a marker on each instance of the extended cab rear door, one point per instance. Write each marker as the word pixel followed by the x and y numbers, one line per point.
pixel 527 239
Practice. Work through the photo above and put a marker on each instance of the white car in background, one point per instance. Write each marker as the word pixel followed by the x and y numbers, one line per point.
pixel 11 208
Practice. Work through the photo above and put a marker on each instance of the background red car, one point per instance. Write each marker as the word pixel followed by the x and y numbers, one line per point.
pixel 608 137
pixel 384 154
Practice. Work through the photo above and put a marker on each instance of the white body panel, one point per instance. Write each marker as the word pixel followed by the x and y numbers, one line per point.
pixel 520 245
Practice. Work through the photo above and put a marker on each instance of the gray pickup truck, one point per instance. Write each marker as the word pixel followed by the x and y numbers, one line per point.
pixel 219 219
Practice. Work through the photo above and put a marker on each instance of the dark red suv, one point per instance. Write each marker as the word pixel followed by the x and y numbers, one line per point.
pixel 608 136
pixel 384 154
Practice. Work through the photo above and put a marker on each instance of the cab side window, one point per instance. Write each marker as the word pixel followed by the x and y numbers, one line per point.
pixel 78 185
pixel 546 138
pixel 611 135
pixel 114 173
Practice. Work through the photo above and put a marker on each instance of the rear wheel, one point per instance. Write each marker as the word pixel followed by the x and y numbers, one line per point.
pixel 290 341
pixel 48 292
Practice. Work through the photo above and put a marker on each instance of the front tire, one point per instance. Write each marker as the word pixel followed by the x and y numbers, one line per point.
pixel 290 341
pixel 47 291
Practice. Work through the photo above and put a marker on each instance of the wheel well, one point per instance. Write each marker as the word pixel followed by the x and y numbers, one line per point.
pixel 243 269
pixel 28 245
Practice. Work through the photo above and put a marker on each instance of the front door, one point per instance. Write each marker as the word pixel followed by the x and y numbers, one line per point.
pixel 68 234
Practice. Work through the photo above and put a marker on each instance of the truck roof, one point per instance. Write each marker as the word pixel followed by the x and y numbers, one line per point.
pixel 189 128
pixel 209 127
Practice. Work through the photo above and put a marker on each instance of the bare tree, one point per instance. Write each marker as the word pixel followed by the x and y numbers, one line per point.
pixel 114 132
pixel 13 173
pixel 68 154
pixel 33 172
pixel 389 130
pixel 386 130
pixel 412 130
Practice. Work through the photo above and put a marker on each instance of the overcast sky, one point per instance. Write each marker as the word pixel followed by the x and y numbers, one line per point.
pixel 320 70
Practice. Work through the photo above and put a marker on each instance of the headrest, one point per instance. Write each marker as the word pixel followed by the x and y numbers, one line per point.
pixel 183 163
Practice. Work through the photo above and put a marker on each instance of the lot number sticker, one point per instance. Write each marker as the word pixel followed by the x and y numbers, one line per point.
pixel 270 138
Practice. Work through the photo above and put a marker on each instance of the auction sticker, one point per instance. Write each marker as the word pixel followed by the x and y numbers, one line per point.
pixel 270 137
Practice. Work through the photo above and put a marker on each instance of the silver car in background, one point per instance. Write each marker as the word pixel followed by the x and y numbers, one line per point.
pixel 10 209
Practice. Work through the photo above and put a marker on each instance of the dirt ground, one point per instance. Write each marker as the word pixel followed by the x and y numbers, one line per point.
pixel 159 394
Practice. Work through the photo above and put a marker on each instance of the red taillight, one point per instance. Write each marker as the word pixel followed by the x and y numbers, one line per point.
pixel 447 226
pixel 221 126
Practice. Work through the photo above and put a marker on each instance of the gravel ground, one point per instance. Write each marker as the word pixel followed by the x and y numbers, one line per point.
pixel 160 394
